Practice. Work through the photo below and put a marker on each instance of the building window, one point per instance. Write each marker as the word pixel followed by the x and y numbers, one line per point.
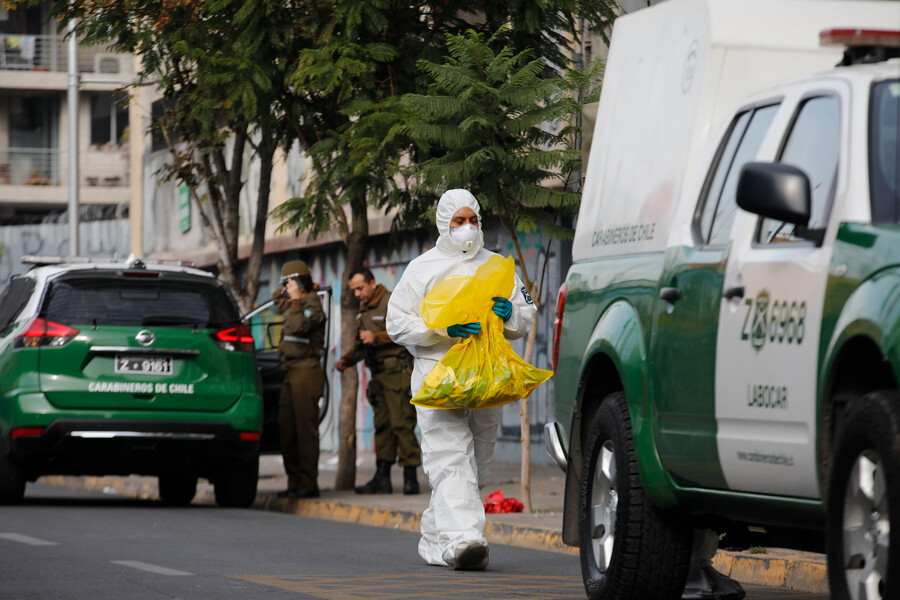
pixel 109 120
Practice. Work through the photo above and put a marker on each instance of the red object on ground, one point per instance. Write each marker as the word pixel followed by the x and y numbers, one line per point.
pixel 496 503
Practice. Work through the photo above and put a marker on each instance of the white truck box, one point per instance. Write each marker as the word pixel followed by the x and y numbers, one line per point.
pixel 674 73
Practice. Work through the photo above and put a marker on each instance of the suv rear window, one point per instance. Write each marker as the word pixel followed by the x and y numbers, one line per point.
pixel 13 299
pixel 884 152
pixel 142 301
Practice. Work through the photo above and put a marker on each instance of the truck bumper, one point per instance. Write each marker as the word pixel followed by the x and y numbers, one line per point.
pixel 555 443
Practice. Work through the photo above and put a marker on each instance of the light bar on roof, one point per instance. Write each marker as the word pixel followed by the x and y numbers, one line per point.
pixel 855 37
pixel 54 259
pixel 62 259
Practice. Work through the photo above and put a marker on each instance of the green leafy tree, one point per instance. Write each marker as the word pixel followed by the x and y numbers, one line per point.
pixel 496 123
pixel 499 123
pixel 245 76
pixel 220 69
pixel 349 86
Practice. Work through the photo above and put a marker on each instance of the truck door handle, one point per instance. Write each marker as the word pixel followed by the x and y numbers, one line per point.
pixel 670 294
pixel 734 292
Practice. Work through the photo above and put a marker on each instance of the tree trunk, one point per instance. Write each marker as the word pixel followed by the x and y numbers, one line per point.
pixel 356 253
pixel 231 177
pixel 525 420
pixel 346 471
pixel 248 295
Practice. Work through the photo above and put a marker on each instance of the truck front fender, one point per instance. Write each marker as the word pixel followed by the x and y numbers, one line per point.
pixel 615 359
pixel 872 312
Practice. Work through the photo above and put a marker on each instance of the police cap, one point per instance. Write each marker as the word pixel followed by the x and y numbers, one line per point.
pixel 294 268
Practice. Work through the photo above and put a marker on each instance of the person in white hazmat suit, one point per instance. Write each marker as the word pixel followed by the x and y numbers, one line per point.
pixel 457 444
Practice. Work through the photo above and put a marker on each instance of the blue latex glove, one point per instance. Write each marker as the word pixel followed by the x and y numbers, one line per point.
pixel 502 308
pixel 464 330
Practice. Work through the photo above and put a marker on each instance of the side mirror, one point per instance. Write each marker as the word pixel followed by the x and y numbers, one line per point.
pixel 776 191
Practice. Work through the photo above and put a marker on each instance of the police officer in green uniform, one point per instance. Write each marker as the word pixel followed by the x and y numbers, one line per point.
pixel 302 343
pixel 388 390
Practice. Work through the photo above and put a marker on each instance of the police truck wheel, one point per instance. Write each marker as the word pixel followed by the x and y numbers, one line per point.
pixel 12 482
pixel 235 487
pixel 628 549
pixel 863 520
pixel 176 489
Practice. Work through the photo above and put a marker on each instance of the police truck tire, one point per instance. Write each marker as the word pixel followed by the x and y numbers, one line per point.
pixel 12 482
pixel 629 550
pixel 235 487
pixel 177 489
pixel 863 509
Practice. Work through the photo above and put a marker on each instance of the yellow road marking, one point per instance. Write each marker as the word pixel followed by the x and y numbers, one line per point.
pixel 436 586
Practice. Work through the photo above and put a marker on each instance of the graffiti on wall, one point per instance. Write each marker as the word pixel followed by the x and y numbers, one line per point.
pixel 387 258
pixel 99 239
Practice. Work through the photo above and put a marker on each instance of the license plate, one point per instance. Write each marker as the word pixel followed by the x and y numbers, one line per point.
pixel 142 364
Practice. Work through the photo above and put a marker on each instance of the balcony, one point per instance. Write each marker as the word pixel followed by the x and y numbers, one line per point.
pixel 48 53
pixel 40 177
pixel 26 166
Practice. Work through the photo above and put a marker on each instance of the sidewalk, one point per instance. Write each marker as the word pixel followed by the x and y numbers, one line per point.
pixel 539 530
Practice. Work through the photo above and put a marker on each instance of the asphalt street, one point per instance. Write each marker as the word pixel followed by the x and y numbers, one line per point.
pixel 68 544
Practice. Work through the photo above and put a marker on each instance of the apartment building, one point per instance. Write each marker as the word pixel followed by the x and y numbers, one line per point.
pixel 35 142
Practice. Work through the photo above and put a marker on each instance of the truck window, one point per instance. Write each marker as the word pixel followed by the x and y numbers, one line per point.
pixel 718 206
pixel 813 145
pixel 884 152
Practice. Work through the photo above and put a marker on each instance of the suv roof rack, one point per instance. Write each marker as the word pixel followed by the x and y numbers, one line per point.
pixel 132 262
pixel 862 45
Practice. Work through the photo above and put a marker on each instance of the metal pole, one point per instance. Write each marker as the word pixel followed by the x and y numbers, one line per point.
pixel 74 246
pixel 578 59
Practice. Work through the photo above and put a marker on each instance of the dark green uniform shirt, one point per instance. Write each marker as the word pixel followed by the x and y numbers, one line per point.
pixel 303 335
pixel 371 318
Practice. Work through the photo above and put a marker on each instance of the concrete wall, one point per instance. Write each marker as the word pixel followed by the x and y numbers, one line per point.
pixel 388 257
pixel 98 239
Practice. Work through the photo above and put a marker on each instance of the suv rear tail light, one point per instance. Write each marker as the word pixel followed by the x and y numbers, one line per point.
pixel 557 323
pixel 45 333
pixel 26 432
pixel 234 339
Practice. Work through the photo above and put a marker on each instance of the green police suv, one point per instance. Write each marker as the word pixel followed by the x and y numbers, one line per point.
pixel 134 367
pixel 728 337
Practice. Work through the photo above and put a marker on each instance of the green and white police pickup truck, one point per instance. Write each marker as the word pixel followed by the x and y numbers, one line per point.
pixel 727 341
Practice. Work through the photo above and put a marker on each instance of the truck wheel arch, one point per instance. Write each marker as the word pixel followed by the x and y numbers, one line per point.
pixel 615 360
pixel 857 367
pixel 856 359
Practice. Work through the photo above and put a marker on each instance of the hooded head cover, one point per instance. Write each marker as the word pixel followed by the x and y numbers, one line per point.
pixel 449 205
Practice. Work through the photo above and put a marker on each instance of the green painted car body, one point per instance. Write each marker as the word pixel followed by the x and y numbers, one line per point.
pixel 125 368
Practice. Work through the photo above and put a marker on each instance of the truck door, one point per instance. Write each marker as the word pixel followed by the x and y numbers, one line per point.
pixel 769 324
pixel 686 317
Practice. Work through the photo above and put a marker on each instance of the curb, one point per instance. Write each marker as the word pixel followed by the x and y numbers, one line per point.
pixel 805 574
pixel 535 538
pixel 780 569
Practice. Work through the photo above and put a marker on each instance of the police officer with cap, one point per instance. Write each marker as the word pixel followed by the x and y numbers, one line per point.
pixel 388 389
pixel 301 347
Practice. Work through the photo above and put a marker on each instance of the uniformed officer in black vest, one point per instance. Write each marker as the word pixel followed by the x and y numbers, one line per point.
pixel 388 390
pixel 301 347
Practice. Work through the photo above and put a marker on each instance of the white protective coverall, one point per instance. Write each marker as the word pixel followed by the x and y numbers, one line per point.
pixel 457 444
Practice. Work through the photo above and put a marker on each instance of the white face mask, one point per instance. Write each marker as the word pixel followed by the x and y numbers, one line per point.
pixel 464 236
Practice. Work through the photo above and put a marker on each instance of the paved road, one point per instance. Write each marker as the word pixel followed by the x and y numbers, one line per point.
pixel 64 544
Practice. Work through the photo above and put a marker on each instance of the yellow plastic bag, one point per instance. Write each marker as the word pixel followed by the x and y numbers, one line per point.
pixel 483 370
